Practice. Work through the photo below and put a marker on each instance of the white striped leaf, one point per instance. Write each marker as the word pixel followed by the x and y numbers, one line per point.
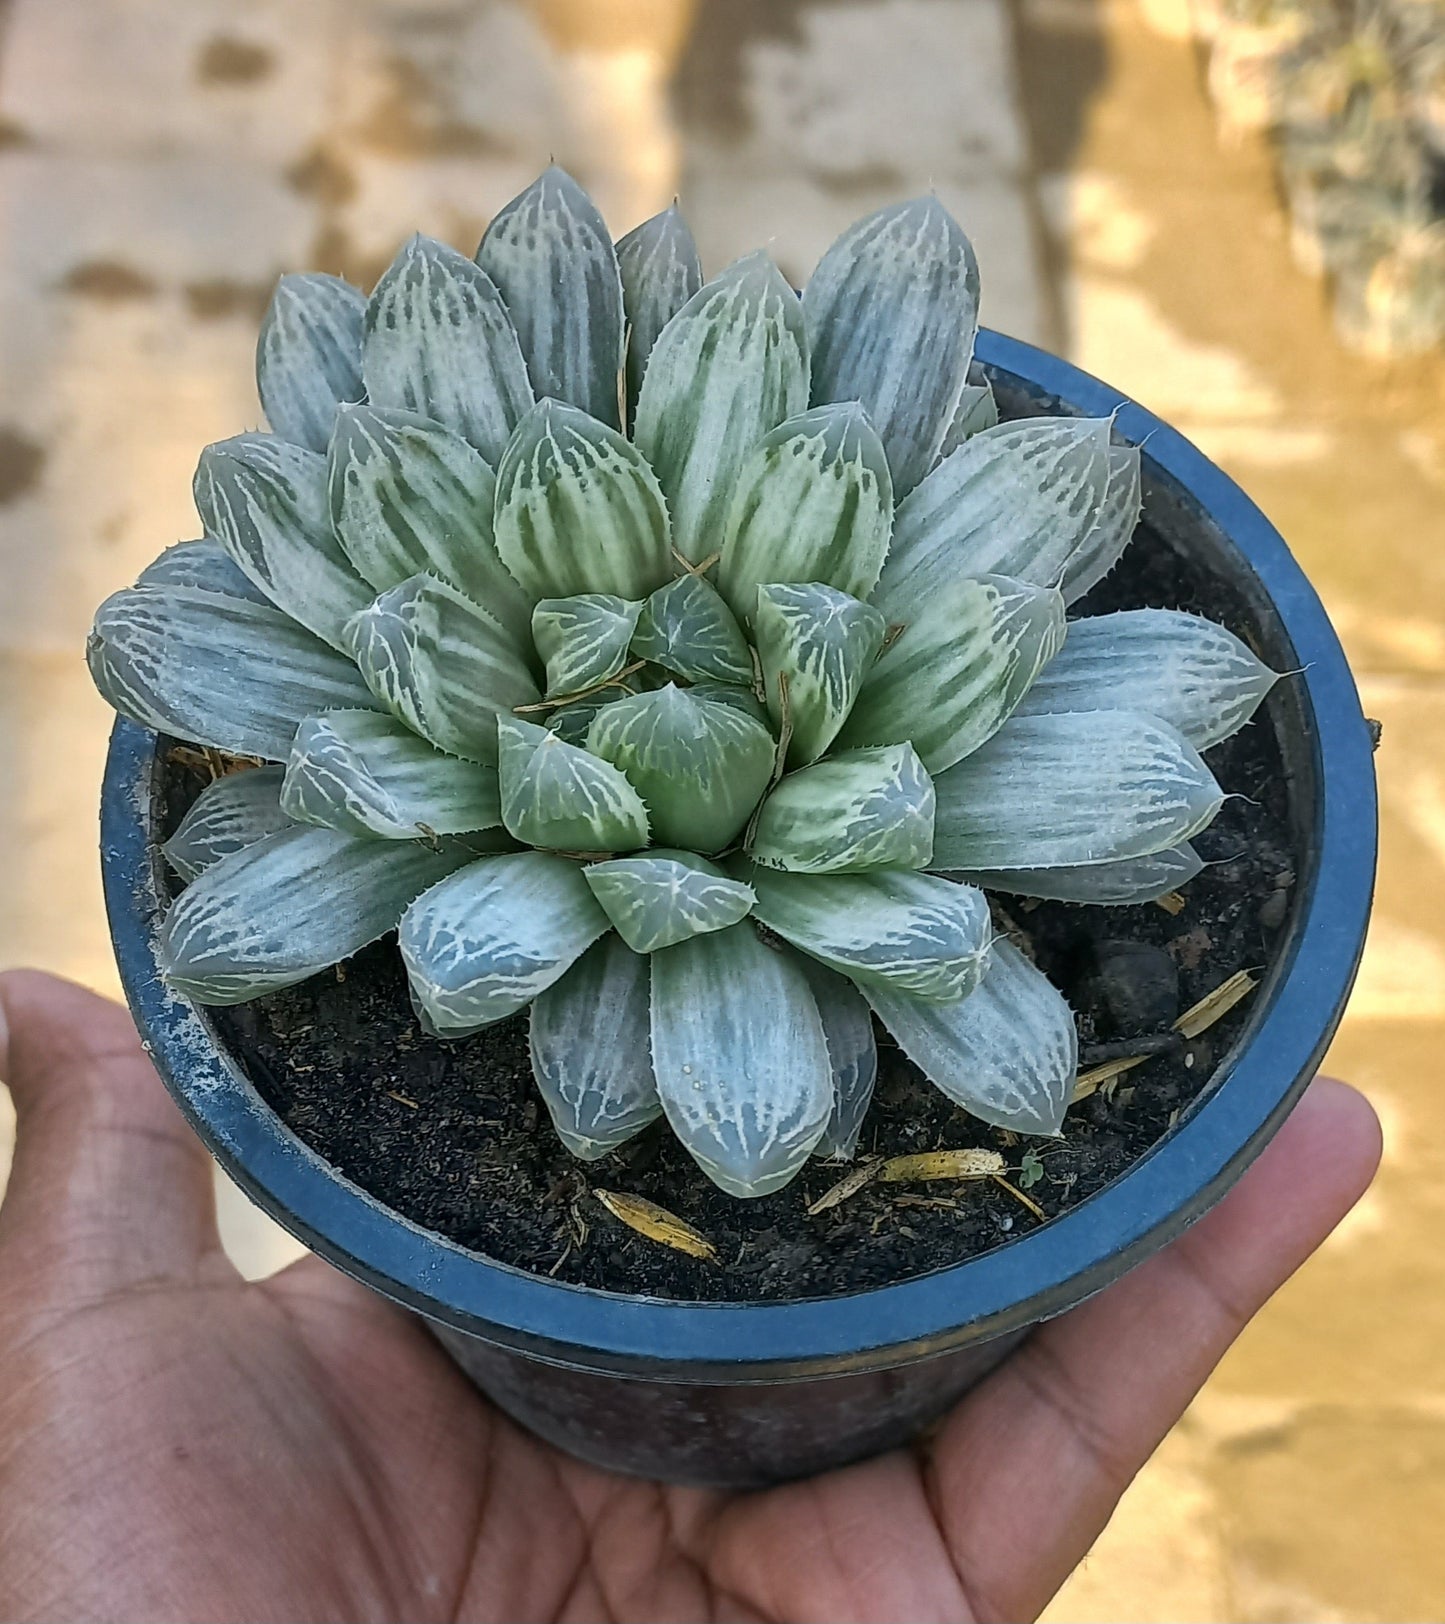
pixel 916 932
pixel 819 645
pixel 1187 671
pixel 1118 884
pixel 442 664
pixel 265 501
pixel 860 810
pixel 853 1052
pixel 205 565
pixel 409 496
pixel 592 1050
pixel 953 675
pixel 700 765
pixel 368 774
pixel 740 1058
pixel 215 669
pixel 308 356
pixel 663 897
pixel 660 272
pixel 1069 791
pixel 551 257
pixel 583 640
pixel 1016 500
pixel 289 906
pixel 558 796
pixel 485 942
pixel 578 509
pixel 571 722
pixel 231 813
pixel 1007 1053
pixel 439 341
pixel 686 628
pixel 1113 528
pixel 730 693
pixel 813 502
pixel 892 311
pixel 977 410
pixel 730 365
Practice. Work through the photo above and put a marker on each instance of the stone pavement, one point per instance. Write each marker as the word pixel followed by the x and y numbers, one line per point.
pixel 162 160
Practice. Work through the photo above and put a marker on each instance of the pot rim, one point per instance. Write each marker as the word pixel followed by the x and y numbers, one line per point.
pixel 1030 1278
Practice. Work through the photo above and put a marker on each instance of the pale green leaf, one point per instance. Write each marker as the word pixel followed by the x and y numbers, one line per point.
pixel 215 669
pixel 439 662
pixel 1007 1053
pixel 660 273
pixel 860 810
pixel 308 356
pixel 848 1030
pixel 740 1058
pixel 559 796
pixel 892 310
pixel 663 897
pixel 592 1050
pixel 954 673
pixel 686 628
pixel 485 942
pixel 813 502
pixel 265 501
pixel 571 722
pixel 818 644
pixel 1102 547
pixel 1118 884
pixel 551 257
pixel 231 813
pixel 583 640
pixel 977 410
pixel 1065 791
pixel 579 510
pixel 730 365
pixel 439 341
pixel 701 766
pixel 205 565
pixel 288 906
pixel 729 693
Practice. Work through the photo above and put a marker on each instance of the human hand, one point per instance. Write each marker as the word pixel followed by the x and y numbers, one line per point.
pixel 176 1443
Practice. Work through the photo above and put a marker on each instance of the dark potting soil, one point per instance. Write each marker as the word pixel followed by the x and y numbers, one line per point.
pixel 453 1135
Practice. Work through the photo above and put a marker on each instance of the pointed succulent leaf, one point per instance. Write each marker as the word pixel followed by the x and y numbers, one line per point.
pixel 740 1058
pixel 583 640
pixel 686 628
pixel 265 501
pixel 409 496
pixel 559 796
pixel 231 813
pixel 1187 671
pixel 892 311
pixel 1066 791
pixel 701 766
pixel 288 906
pixel 1008 1053
pixel 729 693
pixel 368 774
pixel 863 809
pixel 578 509
pixel 551 257
pixel 215 669
pixel 308 356
pixel 730 365
pixel 1113 527
pixel 205 565
pixel 660 272
pixel 1016 500
pixel 977 410
pixel 570 722
pixel 485 942
pixel 813 502
pixel 916 932
pixel 438 341
pixel 663 897
pixel 954 673
pixel 848 1030
pixel 817 645
pixel 1117 884
pixel 441 664
pixel 592 1050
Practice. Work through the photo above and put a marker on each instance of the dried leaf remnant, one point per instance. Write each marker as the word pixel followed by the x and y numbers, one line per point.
pixel 656 1223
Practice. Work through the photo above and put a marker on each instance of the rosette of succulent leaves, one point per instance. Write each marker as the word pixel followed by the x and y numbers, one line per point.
pixel 678 659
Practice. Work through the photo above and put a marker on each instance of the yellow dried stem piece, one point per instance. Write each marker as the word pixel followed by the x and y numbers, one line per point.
pixel 942 1164
pixel 850 1184
pixel 657 1224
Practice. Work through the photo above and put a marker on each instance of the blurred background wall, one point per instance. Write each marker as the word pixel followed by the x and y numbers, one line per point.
pixel 162 160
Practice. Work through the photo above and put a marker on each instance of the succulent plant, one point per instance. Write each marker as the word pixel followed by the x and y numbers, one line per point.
pixel 678 659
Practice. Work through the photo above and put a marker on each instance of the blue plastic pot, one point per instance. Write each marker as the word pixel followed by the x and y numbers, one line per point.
pixel 738 1394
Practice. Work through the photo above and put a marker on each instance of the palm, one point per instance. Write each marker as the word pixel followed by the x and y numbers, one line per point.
pixel 176 1443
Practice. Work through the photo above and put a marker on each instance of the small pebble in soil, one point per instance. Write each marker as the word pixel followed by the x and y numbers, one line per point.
pixel 1133 985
